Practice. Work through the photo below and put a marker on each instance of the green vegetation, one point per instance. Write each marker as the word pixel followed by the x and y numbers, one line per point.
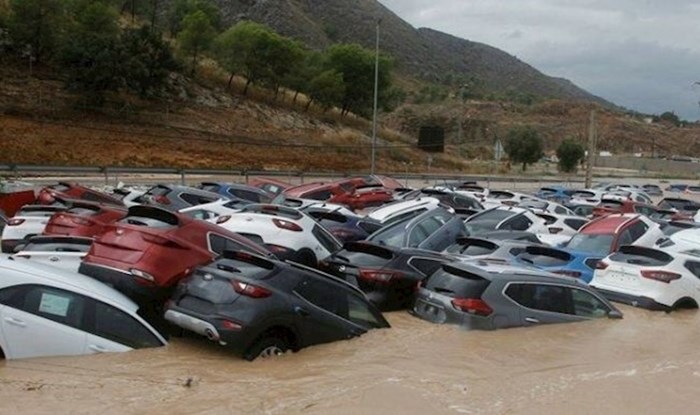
pixel 523 145
pixel 570 154
pixel 109 46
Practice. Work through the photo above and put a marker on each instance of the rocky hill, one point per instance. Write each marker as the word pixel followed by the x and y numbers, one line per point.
pixel 423 54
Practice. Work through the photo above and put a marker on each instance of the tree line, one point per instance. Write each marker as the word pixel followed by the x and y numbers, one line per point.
pixel 110 45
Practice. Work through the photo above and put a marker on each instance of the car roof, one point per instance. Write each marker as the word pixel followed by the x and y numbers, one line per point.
pixel 391 209
pixel 492 271
pixel 608 224
pixel 38 273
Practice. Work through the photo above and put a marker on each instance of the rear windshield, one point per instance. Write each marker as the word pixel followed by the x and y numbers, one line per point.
pixel 583 195
pixel 496 215
pixel 366 255
pixel 500 195
pixel 143 221
pixel 456 283
pixel 545 258
pixel 641 256
pixel 158 191
pixel 82 211
pixel 598 244
pixel 56 247
pixel 248 269
pixel 548 190
pixel 210 187
pixel 472 248
pixel 60 187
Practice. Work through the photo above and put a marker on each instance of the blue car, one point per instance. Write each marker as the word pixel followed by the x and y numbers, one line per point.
pixel 559 194
pixel 569 263
pixel 237 191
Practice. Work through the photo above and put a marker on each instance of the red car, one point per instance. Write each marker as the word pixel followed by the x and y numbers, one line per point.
pixel 608 206
pixel 12 200
pixel 84 219
pixel 49 194
pixel 356 193
pixel 150 250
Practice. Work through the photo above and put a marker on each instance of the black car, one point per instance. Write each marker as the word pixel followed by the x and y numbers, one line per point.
pixel 262 307
pixel 388 275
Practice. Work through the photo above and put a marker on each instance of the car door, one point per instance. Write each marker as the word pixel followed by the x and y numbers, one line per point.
pixel 113 330
pixel 542 303
pixel 442 230
pixel 38 320
pixel 322 309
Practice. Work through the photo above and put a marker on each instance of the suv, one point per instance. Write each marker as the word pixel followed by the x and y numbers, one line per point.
pixel 30 221
pixel 260 307
pixel 505 218
pixel 49 194
pixel 173 197
pixel 237 191
pixel 488 296
pixel 83 219
pixel 145 254
pixel 434 230
pixel 387 275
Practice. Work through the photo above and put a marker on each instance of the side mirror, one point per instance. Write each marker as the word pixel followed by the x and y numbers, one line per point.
pixel 615 314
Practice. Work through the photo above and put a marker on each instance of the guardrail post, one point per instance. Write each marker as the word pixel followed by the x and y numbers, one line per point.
pixel 182 177
pixel 245 173
pixel 301 177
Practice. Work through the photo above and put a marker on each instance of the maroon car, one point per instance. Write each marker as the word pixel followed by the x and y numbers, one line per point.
pixel 608 206
pixel 49 194
pixel 84 219
pixel 356 193
pixel 151 249
pixel 13 198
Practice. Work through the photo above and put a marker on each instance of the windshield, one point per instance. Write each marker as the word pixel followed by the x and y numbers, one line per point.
pixel 598 244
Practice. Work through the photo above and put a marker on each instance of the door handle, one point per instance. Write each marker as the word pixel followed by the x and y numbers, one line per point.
pixel 53 259
pixel 532 320
pixel 15 322
pixel 98 349
pixel 301 311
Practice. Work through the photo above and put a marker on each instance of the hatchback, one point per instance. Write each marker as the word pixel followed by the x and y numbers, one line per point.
pixel 487 296
pixel 50 194
pixel 83 219
pixel 260 307
pixel 45 311
pixel 174 197
pixel 434 230
pixel 31 220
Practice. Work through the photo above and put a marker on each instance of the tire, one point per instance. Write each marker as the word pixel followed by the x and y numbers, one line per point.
pixel 266 347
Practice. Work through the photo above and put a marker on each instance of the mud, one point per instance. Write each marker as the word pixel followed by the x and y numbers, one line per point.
pixel 646 363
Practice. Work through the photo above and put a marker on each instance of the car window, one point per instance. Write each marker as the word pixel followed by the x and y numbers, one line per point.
pixel 96 197
pixel 542 297
pixel 246 194
pixel 625 237
pixel 115 325
pixel 595 243
pixel 51 303
pixel 324 295
pixel 218 244
pixel 201 214
pixel 457 283
pixel 637 230
pixel 560 210
pixel 587 305
pixel 575 223
pixel 518 223
pixel 692 266
pixel 321 195
pixel 195 200
pixel 361 313
pixel 327 240
pixel 424 265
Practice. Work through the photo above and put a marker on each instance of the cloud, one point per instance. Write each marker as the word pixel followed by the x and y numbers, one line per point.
pixel 643 54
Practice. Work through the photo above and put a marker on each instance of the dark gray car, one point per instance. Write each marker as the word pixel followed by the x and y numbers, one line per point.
pixel 175 197
pixel 434 230
pixel 489 296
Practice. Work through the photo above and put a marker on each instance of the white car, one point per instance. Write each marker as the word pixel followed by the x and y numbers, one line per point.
pixel 589 197
pixel 650 278
pixel 65 252
pixel 403 209
pixel 508 198
pixel 628 195
pixel 29 221
pixel 562 224
pixel 286 232
pixel 213 210
pixel 546 206
pixel 505 218
pixel 476 191
pixel 685 240
pixel 46 311
pixel 128 194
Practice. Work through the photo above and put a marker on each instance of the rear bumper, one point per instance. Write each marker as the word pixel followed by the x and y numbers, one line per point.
pixel 633 300
pixel 125 282
pixel 236 340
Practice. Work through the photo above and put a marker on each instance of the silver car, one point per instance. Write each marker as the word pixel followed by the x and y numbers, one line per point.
pixel 484 295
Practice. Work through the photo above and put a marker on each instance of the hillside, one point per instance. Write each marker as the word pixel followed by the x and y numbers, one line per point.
pixel 423 54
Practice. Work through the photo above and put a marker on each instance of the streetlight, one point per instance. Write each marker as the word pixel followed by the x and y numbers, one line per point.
pixel 376 96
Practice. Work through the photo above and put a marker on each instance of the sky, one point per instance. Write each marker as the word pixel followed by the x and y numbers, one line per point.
pixel 641 54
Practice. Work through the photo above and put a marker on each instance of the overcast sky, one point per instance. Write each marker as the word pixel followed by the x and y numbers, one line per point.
pixel 641 54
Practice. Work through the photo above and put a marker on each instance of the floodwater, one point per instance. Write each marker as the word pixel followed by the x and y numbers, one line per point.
pixel 649 362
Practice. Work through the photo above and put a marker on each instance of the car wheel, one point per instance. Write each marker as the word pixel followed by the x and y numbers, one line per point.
pixel 267 347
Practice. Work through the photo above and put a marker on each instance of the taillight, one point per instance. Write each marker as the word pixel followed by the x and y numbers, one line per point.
pixel 567 273
pixel 663 276
pixel 230 325
pixel 475 306
pixel 81 221
pixel 601 265
pixel 249 290
pixel 162 200
pixel 277 250
pixel 380 276
pixel 222 219
pixel 342 233
pixel 285 224
pixel 15 222
pixel 555 230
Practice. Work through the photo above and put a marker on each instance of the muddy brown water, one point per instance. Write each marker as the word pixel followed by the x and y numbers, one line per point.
pixel 649 362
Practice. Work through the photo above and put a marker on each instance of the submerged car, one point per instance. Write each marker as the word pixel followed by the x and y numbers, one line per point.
pixel 491 296
pixel 650 278
pixel 434 230
pixel 505 218
pixel 387 275
pixel 65 252
pixel 260 307
pixel 50 194
pixel 175 197
pixel 45 311
pixel 145 254
pixel 83 219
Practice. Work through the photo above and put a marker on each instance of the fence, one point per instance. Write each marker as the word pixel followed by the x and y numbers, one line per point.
pixel 667 167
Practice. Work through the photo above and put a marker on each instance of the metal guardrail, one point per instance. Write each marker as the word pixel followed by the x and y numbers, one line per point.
pixel 19 170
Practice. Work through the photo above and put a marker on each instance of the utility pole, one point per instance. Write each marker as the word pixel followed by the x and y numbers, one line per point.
pixel 376 97
pixel 460 138
pixel 591 150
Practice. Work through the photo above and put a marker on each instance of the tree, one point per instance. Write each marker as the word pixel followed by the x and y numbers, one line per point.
pixel 570 153
pixel 147 60
pixel 196 36
pixel 92 55
pixel 523 145
pixel 671 117
pixel 180 9
pixel 37 25
pixel 327 89
pixel 356 64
